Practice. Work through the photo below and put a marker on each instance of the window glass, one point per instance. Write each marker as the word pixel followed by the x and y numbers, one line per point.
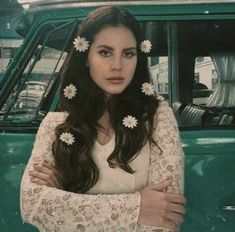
pixel 40 79
pixel 29 96
pixel 41 72
pixel 204 73
pixel 159 75
pixel 8 49
pixel 156 32
pixel 35 83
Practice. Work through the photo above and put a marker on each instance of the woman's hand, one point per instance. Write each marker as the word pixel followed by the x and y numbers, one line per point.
pixel 158 208
pixel 45 174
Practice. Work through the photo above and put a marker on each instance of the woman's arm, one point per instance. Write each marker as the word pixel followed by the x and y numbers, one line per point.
pixel 167 160
pixel 51 209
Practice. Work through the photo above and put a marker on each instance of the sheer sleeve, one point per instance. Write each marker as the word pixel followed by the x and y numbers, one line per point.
pixel 51 209
pixel 167 158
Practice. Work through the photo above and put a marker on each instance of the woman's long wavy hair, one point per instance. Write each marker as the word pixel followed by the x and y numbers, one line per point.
pixel 75 163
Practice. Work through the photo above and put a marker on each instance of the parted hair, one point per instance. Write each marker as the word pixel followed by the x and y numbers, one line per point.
pixel 75 163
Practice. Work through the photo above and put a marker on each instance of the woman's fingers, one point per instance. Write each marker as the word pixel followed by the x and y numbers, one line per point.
pixel 176 218
pixel 176 198
pixel 41 178
pixel 38 181
pixel 177 208
pixel 43 168
pixel 176 211
pixel 167 208
pixel 162 186
pixel 50 166
pixel 45 174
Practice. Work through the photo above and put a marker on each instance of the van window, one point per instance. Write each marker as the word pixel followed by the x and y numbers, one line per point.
pixel 8 49
pixel 156 32
pixel 35 83
pixel 159 75
pixel 206 74
pixel 29 95
pixel 202 74
pixel 205 80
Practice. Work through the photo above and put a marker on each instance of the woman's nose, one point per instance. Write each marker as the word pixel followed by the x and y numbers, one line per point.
pixel 116 63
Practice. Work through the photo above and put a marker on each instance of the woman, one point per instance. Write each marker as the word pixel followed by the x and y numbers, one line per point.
pixel 112 159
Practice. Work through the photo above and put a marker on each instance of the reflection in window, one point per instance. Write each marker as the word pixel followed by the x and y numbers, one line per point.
pixel 38 78
pixel 202 84
pixel 159 75
pixel 8 49
pixel 156 32
pixel 214 79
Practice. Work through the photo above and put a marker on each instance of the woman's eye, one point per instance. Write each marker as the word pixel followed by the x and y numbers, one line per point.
pixel 105 53
pixel 129 54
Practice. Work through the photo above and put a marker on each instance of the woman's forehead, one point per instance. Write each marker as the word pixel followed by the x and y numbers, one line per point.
pixel 115 35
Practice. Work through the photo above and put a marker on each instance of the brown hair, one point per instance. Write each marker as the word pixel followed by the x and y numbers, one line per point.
pixel 75 163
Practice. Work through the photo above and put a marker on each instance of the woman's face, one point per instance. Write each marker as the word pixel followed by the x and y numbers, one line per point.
pixel 112 59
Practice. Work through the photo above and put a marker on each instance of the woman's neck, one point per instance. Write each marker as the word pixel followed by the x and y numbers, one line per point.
pixel 105 131
pixel 104 120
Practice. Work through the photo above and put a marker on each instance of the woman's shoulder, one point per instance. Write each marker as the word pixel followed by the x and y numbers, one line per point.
pixel 164 112
pixel 52 119
pixel 56 116
pixel 162 106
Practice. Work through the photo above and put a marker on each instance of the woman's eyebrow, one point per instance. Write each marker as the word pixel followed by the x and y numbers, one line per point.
pixel 131 48
pixel 105 46
pixel 110 48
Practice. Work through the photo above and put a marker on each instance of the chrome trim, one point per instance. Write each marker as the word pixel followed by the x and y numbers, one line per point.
pixel 228 207
pixel 47 4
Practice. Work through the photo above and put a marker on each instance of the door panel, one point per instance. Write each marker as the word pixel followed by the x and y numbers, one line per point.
pixel 209 180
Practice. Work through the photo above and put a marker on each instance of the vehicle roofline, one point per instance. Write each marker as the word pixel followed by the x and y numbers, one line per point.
pixel 42 5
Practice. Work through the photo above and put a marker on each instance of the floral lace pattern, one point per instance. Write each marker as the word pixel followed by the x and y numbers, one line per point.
pixel 166 159
pixel 51 209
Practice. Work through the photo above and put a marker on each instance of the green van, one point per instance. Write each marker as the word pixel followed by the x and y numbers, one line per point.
pixel 192 64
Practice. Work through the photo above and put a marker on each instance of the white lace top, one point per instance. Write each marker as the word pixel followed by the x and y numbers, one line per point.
pixel 113 203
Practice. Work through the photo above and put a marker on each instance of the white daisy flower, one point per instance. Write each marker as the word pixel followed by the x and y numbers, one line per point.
pixel 147 89
pixel 67 138
pixel 81 44
pixel 70 91
pixel 129 121
pixel 145 46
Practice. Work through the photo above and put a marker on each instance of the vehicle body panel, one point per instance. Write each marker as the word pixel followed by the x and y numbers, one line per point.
pixel 209 151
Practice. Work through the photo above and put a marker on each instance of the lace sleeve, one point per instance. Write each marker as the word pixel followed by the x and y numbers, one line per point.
pixel 166 159
pixel 51 209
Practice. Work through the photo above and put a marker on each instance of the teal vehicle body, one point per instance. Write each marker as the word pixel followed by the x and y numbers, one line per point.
pixel 183 33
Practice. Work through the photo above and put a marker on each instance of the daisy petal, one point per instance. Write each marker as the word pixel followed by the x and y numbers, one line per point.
pixel 70 91
pixel 81 44
pixel 67 138
pixel 129 121
pixel 147 89
pixel 145 46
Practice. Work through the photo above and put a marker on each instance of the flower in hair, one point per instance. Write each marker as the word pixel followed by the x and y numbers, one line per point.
pixel 67 138
pixel 129 121
pixel 70 91
pixel 145 46
pixel 81 44
pixel 147 89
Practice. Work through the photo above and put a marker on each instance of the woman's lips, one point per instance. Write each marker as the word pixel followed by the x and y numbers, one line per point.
pixel 115 80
